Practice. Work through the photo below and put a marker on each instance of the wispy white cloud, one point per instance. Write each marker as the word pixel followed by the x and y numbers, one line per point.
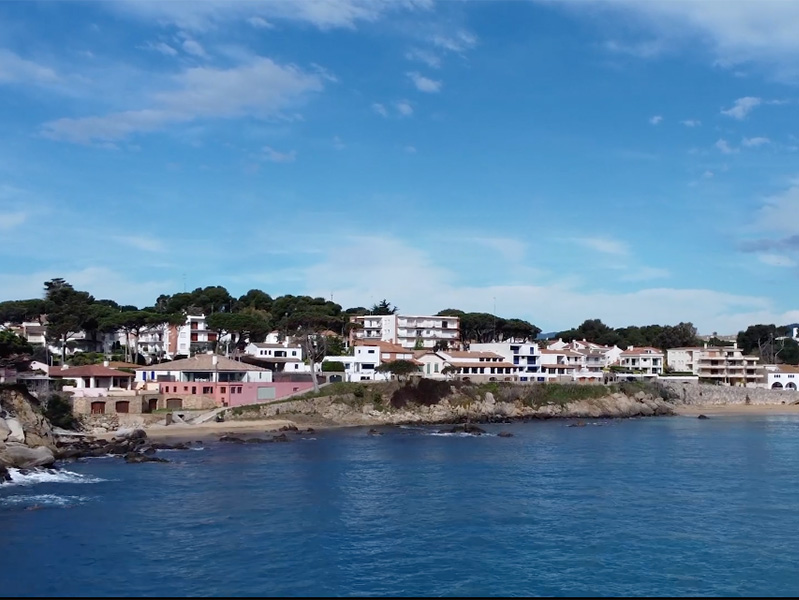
pixel 12 219
pixel 423 84
pixel 604 245
pixel 509 249
pixel 755 142
pixel 724 147
pixel 15 69
pixel 161 47
pixel 410 149
pixel 431 59
pixel 260 23
pixel 404 108
pixel 142 242
pixel 273 155
pixel 198 16
pixel 645 274
pixel 707 175
pixel 645 49
pixel 655 120
pixel 458 42
pixel 691 122
pixel 380 109
pixel 260 89
pixel 742 107
pixel 776 260
pixel 194 48
pixel 338 144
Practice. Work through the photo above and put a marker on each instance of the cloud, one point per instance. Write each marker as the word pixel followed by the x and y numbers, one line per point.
pixel 647 49
pixel 509 249
pixel 742 107
pixel 360 268
pixel 338 144
pixel 404 108
pixel 427 57
pixel 724 147
pixel 15 69
pixel 161 47
pixel 380 109
pixel 655 120
pixel 691 122
pixel 273 155
pixel 12 219
pixel 194 48
pixel 410 149
pixel 645 274
pixel 776 260
pixel 707 175
pixel 199 16
pixel 755 142
pixel 141 242
pixel 423 84
pixel 260 23
pixel 260 89
pixel 458 42
pixel 780 214
pixel 603 245
pixel 744 31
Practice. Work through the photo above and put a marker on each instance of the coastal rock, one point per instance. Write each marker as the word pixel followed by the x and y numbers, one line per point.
pixel 15 431
pixel 21 456
pixel 280 438
pixel 257 441
pixel 373 432
pixel 231 439
pixel 465 428
pixel 4 475
pixel 505 434
pixel 135 457
pixel 289 428
pixel 702 417
pixel 5 431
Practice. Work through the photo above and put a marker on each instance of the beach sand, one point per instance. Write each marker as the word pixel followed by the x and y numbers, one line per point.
pixel 737 410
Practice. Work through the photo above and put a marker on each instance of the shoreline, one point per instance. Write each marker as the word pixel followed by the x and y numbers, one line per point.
pixel 213 430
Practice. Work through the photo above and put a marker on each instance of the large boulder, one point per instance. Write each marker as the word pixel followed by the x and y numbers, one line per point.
pixel 22 411
pixel 21 456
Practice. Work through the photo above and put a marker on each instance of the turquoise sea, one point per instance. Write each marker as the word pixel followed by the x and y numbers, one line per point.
pixel 660 506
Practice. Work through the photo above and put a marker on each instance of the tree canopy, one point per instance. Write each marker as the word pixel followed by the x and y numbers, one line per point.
pixel 658 336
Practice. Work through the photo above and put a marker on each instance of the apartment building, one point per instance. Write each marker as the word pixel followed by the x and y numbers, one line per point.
pixel 645 360
pixel 408 331
pixel 526 357
pixel 721 364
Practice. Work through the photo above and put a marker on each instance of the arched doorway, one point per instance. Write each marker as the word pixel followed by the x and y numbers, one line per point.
pixel 152 404
pixel 790 385
pixel 98 407
pixel 776 386
pixel 174 403
pixel 122 406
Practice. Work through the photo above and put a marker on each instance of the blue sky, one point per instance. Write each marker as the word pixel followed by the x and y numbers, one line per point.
pixel 560 160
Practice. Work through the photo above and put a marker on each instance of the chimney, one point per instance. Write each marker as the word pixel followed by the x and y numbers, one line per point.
pixel 64 367
pixel 630 348
pixel 215 360
pixel 106 363
pixel 705 344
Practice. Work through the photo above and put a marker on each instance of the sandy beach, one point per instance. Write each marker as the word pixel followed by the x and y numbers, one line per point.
pixel 737 410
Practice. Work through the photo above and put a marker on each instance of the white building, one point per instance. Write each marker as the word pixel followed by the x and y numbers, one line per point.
pixel 362 365
pixel 721 364
pixel 780 377
pixel 525 356
pixel 644 360
pixel 206 367
pixel 407 331
pixel 284 356
pixel 479 365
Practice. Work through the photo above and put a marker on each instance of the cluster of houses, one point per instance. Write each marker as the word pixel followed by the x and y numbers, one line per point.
pixel 183 374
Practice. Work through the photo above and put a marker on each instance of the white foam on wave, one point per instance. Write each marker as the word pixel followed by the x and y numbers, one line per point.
pixel 34 476
pixel 459 434
pixel 42 500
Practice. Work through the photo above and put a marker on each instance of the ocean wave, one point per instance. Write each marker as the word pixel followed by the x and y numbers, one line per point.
pixel 35 476
pixel 459 434
pixel 42 500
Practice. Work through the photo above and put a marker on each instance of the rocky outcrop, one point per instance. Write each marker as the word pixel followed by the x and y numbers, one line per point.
pixel 26 437
pixel 458 407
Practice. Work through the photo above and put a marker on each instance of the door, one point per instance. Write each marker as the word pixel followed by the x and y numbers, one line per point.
pixel 98 408
pixel 122 406
pixel 174 403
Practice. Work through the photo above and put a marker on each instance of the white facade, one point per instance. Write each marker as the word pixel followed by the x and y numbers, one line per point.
pixel 525 356
pixel 433 364
pixel 408 331
pixel 362 364
pixel 648 361
pixel 722 364
pixel 781 377
pixel 288 355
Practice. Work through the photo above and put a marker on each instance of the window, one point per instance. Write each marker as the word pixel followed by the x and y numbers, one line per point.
pixel 435 368
pixel 194 337
pixel 207 389
pixel 194 389
pixel 185 388
pixel 371 351
pixel 444 324
pixel 294 353
pixel 223 389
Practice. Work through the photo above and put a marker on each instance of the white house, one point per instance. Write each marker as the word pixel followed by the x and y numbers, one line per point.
pixel 646 360
pixel 722 364
pixel 526 357
pixel 408 331
pixel 206 367
pixel 433 364
pixel 781 377
pixel 100 379
pixel 362 365
pixel 284 356
pixel 479 365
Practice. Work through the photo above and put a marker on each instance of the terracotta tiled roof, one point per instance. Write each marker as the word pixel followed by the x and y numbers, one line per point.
pixel 644 350
pixel 466 354
pixel 546 366
pixel 203 362
pixel 115 364
pixel 487 365
pixel 384 346
pixel 88 371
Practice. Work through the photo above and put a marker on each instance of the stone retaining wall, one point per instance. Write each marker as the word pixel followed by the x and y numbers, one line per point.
pixel 694 393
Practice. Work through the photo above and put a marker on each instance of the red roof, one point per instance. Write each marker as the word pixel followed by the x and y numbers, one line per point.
pixel 89 371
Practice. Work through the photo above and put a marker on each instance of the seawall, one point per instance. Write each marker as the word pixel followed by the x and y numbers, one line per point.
pixel 698 394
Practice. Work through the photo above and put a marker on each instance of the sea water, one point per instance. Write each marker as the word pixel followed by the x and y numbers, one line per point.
pixel 659 506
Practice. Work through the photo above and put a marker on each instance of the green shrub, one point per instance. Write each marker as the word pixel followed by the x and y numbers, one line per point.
pixel 58 410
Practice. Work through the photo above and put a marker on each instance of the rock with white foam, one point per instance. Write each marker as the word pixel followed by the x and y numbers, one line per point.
pixel 21 456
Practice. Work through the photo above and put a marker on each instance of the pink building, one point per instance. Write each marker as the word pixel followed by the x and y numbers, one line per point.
pixel 233 393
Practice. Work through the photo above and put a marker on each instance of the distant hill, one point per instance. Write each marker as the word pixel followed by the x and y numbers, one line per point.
pixel 547 336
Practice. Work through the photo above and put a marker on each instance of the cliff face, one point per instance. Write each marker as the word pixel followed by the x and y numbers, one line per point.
pixel 458 405
pixel 26 437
